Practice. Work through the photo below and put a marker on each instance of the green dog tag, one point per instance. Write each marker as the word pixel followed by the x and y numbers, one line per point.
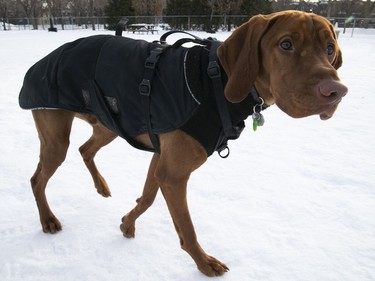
pixel 258 120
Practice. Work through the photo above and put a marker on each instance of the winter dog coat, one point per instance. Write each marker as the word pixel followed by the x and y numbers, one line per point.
pixel 101 74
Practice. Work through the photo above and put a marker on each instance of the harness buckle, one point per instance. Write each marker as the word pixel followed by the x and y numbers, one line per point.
pixel 145 87
pixel 153 58
pixel 213 70
pixel 150 62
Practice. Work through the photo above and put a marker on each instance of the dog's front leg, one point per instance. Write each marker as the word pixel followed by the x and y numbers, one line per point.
pixel 175 196
pixel 180 156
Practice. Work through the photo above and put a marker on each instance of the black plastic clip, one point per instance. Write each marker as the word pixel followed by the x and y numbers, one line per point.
pixel 145 87
pixel 153 58
pixel 213 70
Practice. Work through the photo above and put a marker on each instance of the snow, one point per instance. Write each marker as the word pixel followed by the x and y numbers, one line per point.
pixel 294 200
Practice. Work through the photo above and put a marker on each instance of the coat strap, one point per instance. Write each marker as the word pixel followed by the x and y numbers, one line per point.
pixel 229 131
pixel 145 92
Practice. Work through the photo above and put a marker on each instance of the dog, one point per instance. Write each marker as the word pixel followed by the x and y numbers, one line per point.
pixel 288 58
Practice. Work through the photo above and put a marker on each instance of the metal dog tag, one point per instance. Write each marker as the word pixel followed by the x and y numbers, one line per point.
pixel 261 120
pixel 258 120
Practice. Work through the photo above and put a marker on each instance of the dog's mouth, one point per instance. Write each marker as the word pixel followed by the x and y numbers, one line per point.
pixel 328 113
pixel 303 105
pixel 325 116
pixel 331 93
pixel 325 111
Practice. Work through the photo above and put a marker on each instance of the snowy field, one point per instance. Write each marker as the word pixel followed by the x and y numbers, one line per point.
pixel 295 201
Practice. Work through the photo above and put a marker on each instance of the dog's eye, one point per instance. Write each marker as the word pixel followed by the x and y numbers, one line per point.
pixel 286 45
pixel 330 49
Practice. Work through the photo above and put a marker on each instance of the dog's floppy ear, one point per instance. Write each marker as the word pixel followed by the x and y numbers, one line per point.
pixel 337 62
pixel 239 55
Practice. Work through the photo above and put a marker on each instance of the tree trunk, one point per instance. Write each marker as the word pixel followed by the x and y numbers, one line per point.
pixel 369 8
pixel 91 13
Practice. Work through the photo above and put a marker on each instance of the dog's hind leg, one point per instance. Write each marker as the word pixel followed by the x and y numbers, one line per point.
pixel 53 128
pixel 101 136
pixel 150 190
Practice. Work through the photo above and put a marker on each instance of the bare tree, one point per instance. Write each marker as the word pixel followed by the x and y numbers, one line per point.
pixel 369 8
pixel 223 7
pixel 281 4
pixel 3 13
pixel 91 13
pixel 148 7
pixel 33 9
pixel 55 8
pixel 87 8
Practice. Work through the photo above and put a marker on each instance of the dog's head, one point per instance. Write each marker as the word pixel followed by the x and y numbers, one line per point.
pixel 290 57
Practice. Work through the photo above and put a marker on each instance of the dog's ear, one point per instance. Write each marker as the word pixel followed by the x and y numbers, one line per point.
pixel 240 57
pixel 337 62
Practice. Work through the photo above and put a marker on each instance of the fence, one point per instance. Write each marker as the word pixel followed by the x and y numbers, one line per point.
pixel 99 23
pixel 61 23
pixel 206 23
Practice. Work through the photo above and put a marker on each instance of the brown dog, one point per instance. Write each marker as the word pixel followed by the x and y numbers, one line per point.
pixel 289 57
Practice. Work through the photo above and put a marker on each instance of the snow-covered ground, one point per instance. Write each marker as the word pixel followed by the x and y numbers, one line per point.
pixel 295 201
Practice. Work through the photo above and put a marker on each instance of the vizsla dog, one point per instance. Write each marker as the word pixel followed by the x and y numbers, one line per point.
pixel 288 59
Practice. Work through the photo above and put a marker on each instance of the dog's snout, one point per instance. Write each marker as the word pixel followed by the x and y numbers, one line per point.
pixel 332 89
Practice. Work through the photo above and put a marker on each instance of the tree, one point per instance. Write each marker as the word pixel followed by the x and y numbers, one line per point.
pixel 54 9
pixel 187 8
pixel 33 9
pixel 225 8
pixel 117 9
pixel 148 7
pixel 3 13
pixel 368 10
pixel 183 7
pixel 255 7
pixel 91 13
pixel 239 7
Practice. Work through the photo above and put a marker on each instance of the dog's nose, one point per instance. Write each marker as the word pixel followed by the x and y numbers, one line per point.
pixel 332 89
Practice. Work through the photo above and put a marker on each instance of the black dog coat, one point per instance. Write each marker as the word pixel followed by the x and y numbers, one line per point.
pixel 101 74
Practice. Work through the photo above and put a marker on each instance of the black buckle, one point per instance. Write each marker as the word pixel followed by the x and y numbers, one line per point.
pixel 153 58
pixel 145 87
pixel 213 70
pixel 150 63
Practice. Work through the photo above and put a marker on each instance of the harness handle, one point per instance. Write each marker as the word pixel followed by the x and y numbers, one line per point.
pixel 163 38
pixel 180 42
pixel 121 26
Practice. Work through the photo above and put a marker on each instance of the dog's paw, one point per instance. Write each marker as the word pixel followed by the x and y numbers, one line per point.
pixel 213 267
pixel 102 186
pixel 128 229
pixel 51 225
pixel 103 191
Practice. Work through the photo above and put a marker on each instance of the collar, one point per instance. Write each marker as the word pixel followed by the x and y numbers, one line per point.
pixel 258 101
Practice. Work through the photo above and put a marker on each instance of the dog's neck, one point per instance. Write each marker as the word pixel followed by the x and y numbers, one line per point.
pixel 258 99
pixel 262 90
